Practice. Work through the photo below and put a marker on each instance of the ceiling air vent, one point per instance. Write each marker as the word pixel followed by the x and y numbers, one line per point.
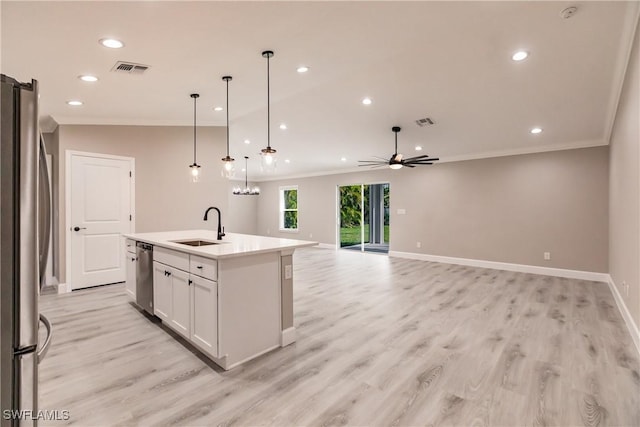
pixel 129 68
pixel 424 122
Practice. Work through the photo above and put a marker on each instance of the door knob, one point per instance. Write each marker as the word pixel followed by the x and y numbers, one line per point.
pixel 76 228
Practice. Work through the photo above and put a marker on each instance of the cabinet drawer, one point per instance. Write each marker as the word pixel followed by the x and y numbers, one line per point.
pixel 130 245
pixel 173 258
pixel 204 267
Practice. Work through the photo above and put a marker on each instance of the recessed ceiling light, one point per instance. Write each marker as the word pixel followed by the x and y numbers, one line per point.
pixel 283 126
pixel 367 101
pixel 218 108
pixel 302 69
pixel 74 103
pixel 344 159
pixel 536 130
pixel 418 148
pixel 88 78
pixel 287 161
pixel 246 141
pixel 520 55
pixel 111 43
pixel 244 170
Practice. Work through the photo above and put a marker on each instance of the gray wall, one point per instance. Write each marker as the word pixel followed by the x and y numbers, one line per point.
pixel 507 209
pixel 165 197
pixel 624 191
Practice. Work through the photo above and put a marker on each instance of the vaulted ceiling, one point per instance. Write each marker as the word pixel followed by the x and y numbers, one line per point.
pixel 449 61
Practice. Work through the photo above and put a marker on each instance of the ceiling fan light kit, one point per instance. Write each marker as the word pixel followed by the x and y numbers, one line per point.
pixel 397 161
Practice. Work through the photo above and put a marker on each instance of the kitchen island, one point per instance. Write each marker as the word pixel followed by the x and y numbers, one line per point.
pixel 231 298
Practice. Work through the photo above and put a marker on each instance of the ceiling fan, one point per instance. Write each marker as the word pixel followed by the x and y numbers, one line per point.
pixel 396 161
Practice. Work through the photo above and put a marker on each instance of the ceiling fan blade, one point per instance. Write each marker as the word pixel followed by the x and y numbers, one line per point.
pixel 422 160
pixel 423 157
pixel 373 162
pixel 409 165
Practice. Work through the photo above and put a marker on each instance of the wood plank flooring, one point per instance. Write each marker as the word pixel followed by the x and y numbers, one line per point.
pixel 381 342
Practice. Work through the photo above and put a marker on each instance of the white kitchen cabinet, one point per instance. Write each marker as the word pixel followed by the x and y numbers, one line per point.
pixel 204 314
pixel 162 293
pixel 130 267
pixel 180 319
pixel 130 264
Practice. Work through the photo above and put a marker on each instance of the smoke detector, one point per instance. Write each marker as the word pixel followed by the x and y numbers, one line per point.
pixel 425 122
pixel 129 68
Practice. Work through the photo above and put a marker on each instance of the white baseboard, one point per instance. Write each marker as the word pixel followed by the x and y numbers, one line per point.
pixel 326 246
pixel 63 288
pixel 628 320
pixel 522 268
pixel 288 336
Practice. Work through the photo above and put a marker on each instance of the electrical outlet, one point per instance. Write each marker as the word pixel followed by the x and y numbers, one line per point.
pixel 288 272
pixel 547 256
pixel 418 244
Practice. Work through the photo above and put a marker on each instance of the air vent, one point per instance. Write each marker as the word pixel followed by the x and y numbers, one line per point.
pixel 424 122
pixel 129 68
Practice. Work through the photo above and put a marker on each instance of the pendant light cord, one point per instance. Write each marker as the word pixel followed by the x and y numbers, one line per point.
pixel 195 99
pixel 246 171
pixel 227 118
pixel 268 106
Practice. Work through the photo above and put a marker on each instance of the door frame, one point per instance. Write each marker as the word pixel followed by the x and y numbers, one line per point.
pixel 67 202
pixel 361 184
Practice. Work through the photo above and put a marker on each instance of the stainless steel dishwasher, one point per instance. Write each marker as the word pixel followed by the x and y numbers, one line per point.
pixel 144 276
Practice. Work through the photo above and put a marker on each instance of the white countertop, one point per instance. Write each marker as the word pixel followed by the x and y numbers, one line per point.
pixel 231 245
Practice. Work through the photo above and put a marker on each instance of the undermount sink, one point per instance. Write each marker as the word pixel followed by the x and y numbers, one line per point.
pixel 197 242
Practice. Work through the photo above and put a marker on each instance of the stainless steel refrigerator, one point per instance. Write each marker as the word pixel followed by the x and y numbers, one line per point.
pixel 24 232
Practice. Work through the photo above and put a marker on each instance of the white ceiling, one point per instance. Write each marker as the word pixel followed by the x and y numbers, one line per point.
pixel 450 61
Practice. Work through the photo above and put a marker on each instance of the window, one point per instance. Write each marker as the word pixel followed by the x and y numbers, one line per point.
pixel 289 209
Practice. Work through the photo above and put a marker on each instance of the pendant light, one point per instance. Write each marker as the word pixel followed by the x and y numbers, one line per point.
pixel 268 155
pixel 228 170
pixel 195 167
pixel 246 191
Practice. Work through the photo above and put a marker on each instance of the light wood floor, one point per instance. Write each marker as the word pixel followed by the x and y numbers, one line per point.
pixel 381 342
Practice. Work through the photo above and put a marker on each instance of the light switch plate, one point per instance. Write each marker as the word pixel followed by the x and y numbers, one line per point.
pixel 402 211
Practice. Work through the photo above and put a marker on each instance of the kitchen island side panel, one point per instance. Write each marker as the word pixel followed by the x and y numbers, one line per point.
pixel 249 306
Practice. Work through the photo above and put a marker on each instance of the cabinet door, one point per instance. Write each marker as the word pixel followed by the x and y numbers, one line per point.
pixel 204 314
pixel 161 291
pixel 130 267
pixel 181 301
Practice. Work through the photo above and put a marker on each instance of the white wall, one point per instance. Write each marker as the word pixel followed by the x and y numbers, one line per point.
pixel 624 190
pixel 506 209
pixel 165 197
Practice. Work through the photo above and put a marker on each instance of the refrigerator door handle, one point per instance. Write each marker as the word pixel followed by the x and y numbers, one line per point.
pixel 45 347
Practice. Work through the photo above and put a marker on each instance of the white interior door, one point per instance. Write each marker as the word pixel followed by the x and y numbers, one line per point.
pixel 100 212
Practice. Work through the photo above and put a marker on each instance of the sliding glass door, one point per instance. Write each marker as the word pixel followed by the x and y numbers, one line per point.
pixel 364 217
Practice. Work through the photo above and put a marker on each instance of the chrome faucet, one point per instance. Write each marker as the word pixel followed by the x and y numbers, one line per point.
pixel 220 228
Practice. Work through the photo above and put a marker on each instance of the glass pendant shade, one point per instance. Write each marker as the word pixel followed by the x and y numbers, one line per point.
pixel 228 168
pixel 195 173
